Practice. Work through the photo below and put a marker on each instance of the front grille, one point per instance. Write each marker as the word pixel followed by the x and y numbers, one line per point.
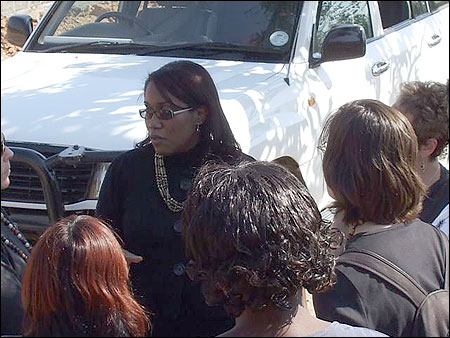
pixel 25 185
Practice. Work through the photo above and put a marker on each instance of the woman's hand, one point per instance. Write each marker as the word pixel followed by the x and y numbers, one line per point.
pixel 131 257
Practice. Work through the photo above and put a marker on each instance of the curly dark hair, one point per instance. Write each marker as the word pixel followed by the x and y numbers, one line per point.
pixel 255 236
pixel 427 104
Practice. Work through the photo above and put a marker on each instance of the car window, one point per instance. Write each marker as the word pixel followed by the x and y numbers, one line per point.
pixel 255 22
pixel 335 13
pixel 434 5
pixel 85 12
pixel 235 30
pixel 419 8
pixel 394 12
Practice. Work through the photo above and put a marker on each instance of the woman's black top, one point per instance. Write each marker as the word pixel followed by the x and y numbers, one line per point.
pixel 13 267
pixel 360 298
pixel 437 198
pixel 129 198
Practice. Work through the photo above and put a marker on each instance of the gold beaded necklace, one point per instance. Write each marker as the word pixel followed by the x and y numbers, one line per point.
pixel 163 185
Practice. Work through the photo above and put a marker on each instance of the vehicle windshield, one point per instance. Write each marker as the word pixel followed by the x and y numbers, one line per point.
pixel 262 31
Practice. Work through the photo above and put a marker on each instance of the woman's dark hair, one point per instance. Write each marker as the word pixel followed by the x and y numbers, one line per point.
pixel 255 236
pixel 76 282
pixel 369 162
pixel 427 103
pixel 191 83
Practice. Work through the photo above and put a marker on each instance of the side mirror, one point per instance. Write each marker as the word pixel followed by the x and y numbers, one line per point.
pixel 19 29
pixel 343 42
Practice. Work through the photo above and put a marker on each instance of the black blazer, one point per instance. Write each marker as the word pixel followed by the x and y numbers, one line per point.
pixel 130 200
pixel 12 269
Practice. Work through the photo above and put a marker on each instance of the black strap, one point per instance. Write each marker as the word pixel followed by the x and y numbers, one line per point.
pixel 386 270
pixel 391 273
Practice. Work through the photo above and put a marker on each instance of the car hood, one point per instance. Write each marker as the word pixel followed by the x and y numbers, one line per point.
pixel 93 100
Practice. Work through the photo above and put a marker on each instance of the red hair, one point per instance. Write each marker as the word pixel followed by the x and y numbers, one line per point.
pixel 77 276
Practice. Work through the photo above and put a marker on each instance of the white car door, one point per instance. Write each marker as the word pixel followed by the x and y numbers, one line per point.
pixel 435 45
pixel 323 89
pixel 412 43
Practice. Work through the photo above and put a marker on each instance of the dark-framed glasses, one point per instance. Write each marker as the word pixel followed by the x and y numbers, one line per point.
pixel 161 113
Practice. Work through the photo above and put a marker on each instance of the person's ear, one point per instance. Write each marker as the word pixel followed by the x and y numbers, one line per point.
pixel 428 147
pixel 201 115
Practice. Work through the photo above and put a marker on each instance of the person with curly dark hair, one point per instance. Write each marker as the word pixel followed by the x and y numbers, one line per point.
pixel 425 104
pixel 256 240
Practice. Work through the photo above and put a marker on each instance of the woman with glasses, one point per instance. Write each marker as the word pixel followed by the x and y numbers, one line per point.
pixel 144 190
pixel 15 252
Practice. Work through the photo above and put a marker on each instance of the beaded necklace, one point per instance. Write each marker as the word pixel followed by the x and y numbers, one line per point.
pixel 15 230
pixel 163 185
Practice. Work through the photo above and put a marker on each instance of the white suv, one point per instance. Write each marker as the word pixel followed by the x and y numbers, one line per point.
pixel 70 98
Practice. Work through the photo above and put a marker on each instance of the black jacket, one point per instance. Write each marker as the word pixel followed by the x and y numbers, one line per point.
pixel 360 298
pixel 129 198
pixel 13 267
pixel 436 199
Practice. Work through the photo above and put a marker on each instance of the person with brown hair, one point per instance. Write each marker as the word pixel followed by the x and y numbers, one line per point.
pixel 369 164
pixel 256 241
pixel 425 104
pixel 76 284
pixel 144 191
pixel 15 252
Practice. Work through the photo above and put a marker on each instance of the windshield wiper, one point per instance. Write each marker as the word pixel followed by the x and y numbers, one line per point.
pixel 86 46
pixel 148 49
pixel 210 46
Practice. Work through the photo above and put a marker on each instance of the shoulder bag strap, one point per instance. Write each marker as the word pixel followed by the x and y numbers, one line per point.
pixel 386 270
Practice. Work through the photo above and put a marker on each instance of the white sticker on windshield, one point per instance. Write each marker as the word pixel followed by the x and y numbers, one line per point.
pixel 279 38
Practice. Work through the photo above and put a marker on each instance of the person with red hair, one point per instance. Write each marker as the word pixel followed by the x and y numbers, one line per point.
pixel 77 284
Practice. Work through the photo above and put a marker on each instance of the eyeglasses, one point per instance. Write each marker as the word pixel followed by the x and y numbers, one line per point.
pixel 161 113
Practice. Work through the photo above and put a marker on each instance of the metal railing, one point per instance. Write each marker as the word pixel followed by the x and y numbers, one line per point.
pixel 44 168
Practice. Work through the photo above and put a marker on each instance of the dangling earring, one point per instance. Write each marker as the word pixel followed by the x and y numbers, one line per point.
pixel 422 165
pixel 198 128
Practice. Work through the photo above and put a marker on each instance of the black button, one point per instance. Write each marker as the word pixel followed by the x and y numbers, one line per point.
pixel 178 269
pixel 177 225
pixel 185 184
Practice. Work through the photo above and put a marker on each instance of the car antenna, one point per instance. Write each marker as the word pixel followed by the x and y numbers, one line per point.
pixel 294 44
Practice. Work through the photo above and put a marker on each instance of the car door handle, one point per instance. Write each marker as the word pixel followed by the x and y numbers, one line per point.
pixel 435 39
pixel 380 67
